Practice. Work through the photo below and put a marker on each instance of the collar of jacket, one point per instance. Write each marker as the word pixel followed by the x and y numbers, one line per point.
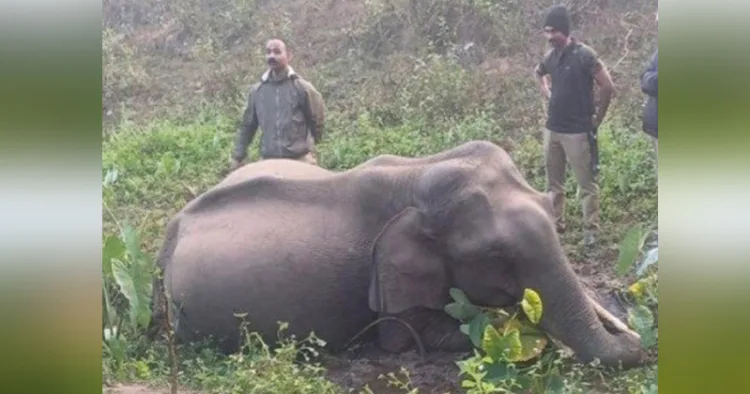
pixel 266 75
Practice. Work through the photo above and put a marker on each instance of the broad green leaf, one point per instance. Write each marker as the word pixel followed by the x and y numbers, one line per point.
pixel 629 249
pixel 640 318
pixel 499 371
pixel 117 348
pixel 111 313
pixel 532 305
pixel 459 296
pixel 124 280
pixel 113 248
pixel 501 347
pixel 649 338
pixel 132 242
pixel 134 285
pixel 513 347
pixel 476 328
pixel 460 311
pixel 531 347
pixel 492 343
pixel 533 341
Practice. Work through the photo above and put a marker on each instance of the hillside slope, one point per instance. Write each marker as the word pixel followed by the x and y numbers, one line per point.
pixel 171 58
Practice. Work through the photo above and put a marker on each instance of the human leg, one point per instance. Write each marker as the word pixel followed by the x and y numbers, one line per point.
pixel 578 151
pixel 554 157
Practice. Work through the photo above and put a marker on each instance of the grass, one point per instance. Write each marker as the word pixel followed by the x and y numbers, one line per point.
pixel 395 81
pixel 150 173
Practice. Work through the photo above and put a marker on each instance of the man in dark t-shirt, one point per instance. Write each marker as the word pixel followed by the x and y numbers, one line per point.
pixel 573 117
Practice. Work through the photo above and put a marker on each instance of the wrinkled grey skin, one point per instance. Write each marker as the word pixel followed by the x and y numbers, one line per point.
pixel 330 252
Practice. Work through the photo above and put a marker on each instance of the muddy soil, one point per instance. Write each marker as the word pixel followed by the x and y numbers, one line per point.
pixel 435 373
pixel 142 389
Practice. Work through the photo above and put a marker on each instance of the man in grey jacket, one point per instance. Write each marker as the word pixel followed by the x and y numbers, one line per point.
pixel 650 86
pixel 286 107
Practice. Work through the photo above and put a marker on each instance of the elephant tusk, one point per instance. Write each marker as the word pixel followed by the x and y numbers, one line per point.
pixel 606 316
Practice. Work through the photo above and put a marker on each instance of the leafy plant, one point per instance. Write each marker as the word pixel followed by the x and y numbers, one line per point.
pixel 502 338
pixel 630 248
pixel 643 291
pixel 502 335
pixel 131 271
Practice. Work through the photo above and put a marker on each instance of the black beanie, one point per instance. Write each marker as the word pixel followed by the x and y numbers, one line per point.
pixel 557 18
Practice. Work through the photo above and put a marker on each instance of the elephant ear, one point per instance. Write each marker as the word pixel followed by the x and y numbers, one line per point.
pixel 408 270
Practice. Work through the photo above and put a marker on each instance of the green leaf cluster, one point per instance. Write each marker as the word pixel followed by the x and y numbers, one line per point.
pixel 502 336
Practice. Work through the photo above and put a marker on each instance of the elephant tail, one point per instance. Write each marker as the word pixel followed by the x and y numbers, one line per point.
pixel 159 294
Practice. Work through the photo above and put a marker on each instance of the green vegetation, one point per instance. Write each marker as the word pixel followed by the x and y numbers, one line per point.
pixel 150 173
pixel 398 78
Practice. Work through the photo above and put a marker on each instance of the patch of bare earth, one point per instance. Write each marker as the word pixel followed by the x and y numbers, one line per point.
pixel 435 373
pixel 142 389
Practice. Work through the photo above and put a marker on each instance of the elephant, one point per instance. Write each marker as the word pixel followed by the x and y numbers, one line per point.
pixel 331 252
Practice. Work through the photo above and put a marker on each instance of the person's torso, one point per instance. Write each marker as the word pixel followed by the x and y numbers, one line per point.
pixel 571 105
pixel 650 106
pixel 278 106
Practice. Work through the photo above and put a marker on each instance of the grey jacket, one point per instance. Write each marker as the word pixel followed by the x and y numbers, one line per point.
pixel 289 111
pixel 650 86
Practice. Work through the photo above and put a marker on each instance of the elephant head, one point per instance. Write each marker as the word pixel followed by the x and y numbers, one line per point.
pixel 475 224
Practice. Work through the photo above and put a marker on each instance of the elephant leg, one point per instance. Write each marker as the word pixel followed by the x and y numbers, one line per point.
pixel 435 331
pixel 443 334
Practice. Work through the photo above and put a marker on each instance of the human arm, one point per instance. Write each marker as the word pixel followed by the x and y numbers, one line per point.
pixel 604 81
pixel 649 81
pixel 314 111
pixel 542 78
pixel 246 131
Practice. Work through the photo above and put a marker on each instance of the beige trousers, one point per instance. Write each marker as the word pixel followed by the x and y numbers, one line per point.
pixel 573 149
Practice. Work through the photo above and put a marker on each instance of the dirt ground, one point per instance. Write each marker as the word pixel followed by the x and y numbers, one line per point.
pixel 436 373
pixel 141 389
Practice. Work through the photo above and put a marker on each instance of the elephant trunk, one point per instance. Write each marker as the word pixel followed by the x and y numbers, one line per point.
pixel 573 318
